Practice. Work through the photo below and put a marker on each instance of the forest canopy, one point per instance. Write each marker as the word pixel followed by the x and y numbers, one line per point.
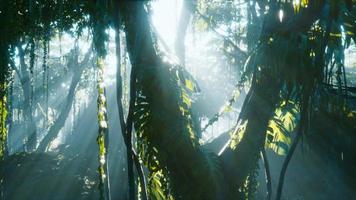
pixel 177 99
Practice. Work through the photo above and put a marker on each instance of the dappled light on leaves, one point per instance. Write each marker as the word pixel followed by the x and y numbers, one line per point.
pixel 281 127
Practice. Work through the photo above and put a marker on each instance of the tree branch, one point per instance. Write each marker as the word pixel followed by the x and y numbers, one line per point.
pixel 286 162
pixel 131 155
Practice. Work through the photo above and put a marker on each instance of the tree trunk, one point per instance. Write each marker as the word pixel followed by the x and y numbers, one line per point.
pixel 4 60
pixel 127 140
pixel 188 8
pixel 131 157
pixel 60 121
pixel 238 163
pixel 188 167
pixel 259 108
pixel 31 127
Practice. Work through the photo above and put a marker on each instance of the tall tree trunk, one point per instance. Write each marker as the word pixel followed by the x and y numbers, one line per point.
pixel 127 139
pixel 182 158
pixel 60 121
pixel 186 164
pixel 4 60
pixel 237 163
pixel 188 8
pixel 131 157
pixel 31 127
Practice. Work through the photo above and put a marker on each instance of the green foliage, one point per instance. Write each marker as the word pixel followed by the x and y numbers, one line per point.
pixel 147 136
pixel 4 71
pixel 279 131
pixel 159 186
pixel 237 135
pixel 164 128
pixel 281 126
pixel 3 129
pixel 250 186
pixel 220 12
pixel 40 18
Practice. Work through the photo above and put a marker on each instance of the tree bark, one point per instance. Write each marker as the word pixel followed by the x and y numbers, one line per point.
pixel 237 163
pixel 187 165
pixel 258 110
pixel 131 156
pixel 130 178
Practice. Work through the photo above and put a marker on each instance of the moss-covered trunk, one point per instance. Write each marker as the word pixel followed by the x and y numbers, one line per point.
pixel 4 58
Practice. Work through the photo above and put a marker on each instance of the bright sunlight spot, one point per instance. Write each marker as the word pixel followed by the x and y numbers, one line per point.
pixel 280 15
pixel 165 19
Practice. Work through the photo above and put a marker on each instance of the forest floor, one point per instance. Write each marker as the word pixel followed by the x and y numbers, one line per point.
pixel 308 177
pixel 52 176
pixel 70 173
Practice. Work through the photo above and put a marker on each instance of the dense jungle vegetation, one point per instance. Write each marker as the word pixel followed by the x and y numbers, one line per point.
pixel 177 99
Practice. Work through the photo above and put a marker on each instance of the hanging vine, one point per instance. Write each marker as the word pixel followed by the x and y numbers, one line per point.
pixel 100 38
pixel 45 81
pixel 3 136
pixel 32 66
pixel 102 138
pixel 3 129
